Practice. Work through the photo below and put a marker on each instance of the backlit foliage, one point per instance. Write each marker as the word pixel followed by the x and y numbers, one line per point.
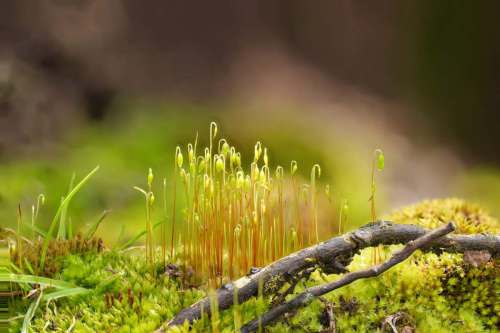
pixel 429 292
pixel 235 216
pixel 220 218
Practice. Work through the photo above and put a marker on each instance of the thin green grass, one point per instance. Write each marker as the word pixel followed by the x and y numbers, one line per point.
pixel 30 313
pixel 34 279
pixel 93 227
pixel 35 229
pixel 60 210
pixel 139 235
pixel 64 289
pixel 65 293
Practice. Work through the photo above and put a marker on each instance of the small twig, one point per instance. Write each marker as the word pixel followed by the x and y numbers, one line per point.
pixel 307 296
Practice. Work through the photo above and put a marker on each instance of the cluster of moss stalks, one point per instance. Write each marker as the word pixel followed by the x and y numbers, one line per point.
pixel 427 293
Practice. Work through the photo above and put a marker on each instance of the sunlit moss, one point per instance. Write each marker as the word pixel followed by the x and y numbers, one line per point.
pixel 439 293
pixel 235 217
pixel 57 250
pixel 435 292
pixel 127 297
pixel 468 218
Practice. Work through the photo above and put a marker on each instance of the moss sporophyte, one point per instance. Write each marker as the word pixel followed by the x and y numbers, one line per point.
pixel 378 162
pixel 232 218
pixel 225 218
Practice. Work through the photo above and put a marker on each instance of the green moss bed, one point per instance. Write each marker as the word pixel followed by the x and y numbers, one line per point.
pixel 426 293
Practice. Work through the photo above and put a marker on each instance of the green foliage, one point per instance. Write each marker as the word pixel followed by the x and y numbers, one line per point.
pixel 61 214
pixel 469 218
pixel 125 296
pixel 420 288
pixel 56 251
pixel 32 279
pixel 63 289
pixel 440 293
pixel 132 142
pixel 30 313
pixel 436 293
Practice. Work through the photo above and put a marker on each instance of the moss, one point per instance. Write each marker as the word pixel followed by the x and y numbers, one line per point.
pixel 466 288
pixel 126 296
pixel 436 293
pixel 468 218
pixel 56 252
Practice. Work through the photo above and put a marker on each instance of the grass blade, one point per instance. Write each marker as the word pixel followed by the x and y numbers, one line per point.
pixel 33 279
pixel 47 298
pixel 30 313
pixel 138 236
pixel 65 202
pixel 28 266
pixel 93 228
pixel 15 268
pixel 36 229
pixel 70 228
pixel 121 235
pixel 65 293
pixel 61 234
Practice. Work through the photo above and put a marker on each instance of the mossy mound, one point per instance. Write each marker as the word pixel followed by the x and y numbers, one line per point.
pixel 468 218
pixel 128 296
pixel 435 294
pixel 426 293
pixel 57 251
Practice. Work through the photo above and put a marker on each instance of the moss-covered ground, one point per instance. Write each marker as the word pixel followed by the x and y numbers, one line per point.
pixel 427 293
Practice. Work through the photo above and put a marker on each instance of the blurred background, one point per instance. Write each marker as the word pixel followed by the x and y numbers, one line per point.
pixel 120 83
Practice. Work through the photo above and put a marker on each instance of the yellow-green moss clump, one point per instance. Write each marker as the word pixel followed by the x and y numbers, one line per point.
pixel 126 296
pixel 468 218
pixel 463 284
pixel 57 250
pixel 428 292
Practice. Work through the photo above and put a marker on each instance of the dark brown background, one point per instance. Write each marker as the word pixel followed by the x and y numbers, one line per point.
pixel 67 59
